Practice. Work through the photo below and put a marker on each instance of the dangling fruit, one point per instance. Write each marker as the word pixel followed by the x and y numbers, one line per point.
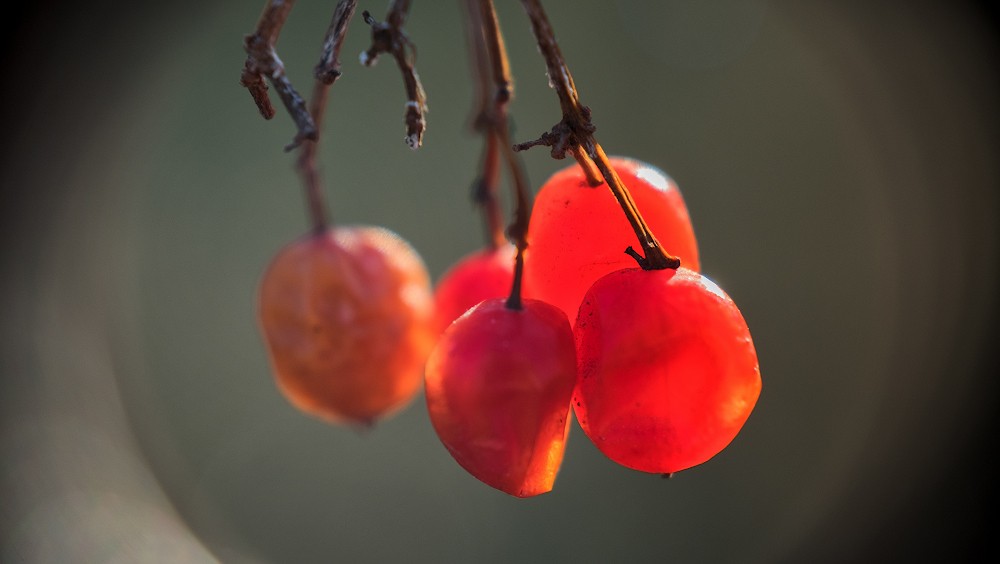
pixel 668 372
pixel 498 388
pixel 347 317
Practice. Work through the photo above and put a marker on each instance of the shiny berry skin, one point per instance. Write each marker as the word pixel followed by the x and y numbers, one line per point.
pixel 668 372
pixel 484 274
pixel 347 316
pixel 498 388
pixel 579 233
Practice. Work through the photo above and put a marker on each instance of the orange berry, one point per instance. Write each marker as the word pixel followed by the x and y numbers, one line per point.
pixel 347 317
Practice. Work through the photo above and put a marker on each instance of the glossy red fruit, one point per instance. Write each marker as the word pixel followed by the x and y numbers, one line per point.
pixel 668 372
pixel 485 274
pixel 347 317
pixel 579 233
pixel 498 388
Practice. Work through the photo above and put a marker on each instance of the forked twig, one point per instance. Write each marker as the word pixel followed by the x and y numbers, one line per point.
pixel 263 62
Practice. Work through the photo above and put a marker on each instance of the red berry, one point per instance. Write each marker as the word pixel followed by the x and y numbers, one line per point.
pixel 482 275
pixel 498 389
pixel 579 233
pixel 668 372
pixel 347 318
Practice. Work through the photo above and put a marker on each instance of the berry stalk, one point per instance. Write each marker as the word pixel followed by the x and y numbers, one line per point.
pixel 327 72
pixel 497 122
pixel 484 188
pixel 574 135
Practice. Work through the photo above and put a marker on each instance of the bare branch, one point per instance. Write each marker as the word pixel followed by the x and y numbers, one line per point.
pixel 328 68
pixel 327 71
pixel 263 62
pixel 388 37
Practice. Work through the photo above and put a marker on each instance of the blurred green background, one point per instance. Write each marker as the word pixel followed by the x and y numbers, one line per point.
pixel 839 161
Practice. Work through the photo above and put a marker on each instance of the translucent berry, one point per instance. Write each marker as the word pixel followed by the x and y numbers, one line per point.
pixel 579 233
pixel 668 372
pixel 498 388
pixel 347 317
pixel 482 275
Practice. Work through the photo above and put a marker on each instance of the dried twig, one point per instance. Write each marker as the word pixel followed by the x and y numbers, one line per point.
pixel 327 71
pixel 388 37
pixel 263 62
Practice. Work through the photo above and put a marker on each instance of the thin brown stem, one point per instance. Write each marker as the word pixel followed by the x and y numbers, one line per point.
pixel 308 171
pixel 497 54
pixel 263 62
pixel 655 257
pixel 398 10
pixel 590 169
pixel 388 37
pixel 484 191
pixel 559 76
pixel 485 186
pixel 518 230
pixel 273 19
pixel 503 93
pixel 327 71
pixel 574 135
pixel 480 63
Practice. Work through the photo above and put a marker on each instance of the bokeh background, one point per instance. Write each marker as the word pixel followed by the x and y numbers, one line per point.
pixel 839 161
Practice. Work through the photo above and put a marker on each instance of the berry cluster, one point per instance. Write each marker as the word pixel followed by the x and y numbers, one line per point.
pixel 658 367
pixel 662 375
pixel 655 361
